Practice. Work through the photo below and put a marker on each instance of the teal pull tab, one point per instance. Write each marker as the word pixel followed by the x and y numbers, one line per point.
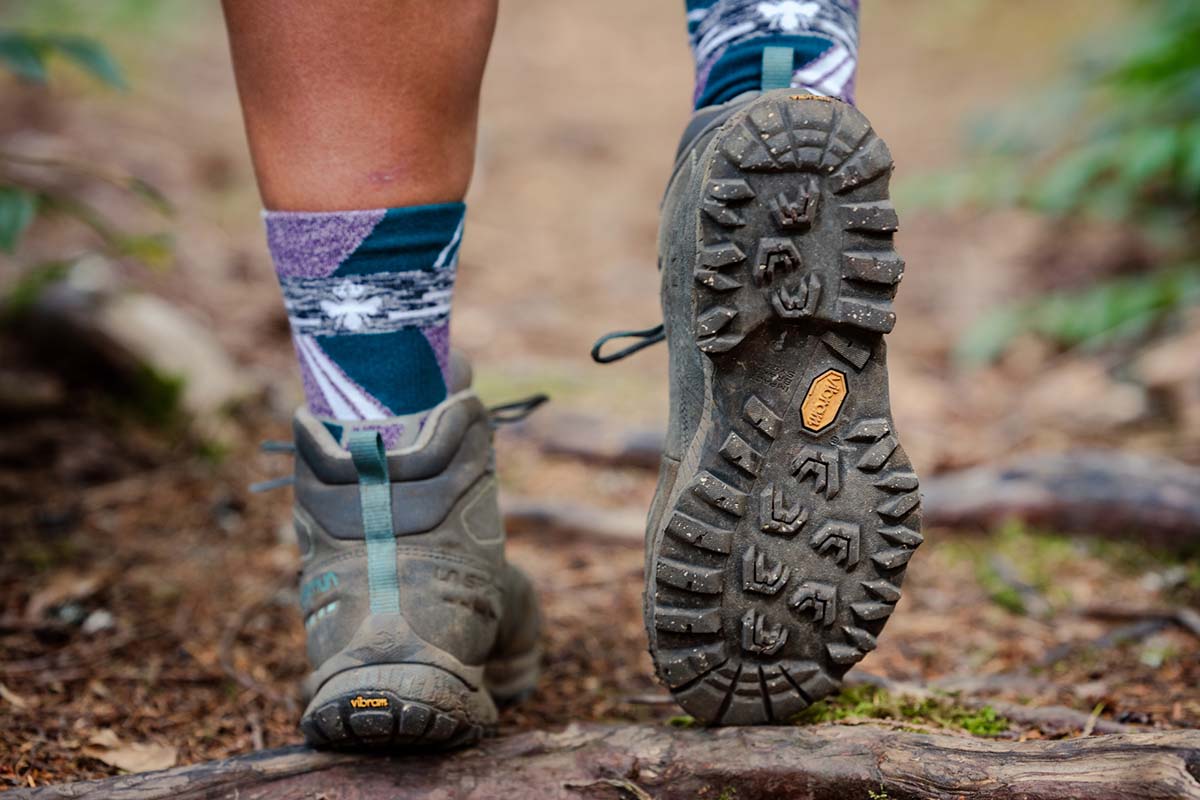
pixel 375 495
pixel 776 68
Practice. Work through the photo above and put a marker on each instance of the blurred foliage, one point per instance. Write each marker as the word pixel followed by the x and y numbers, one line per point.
pixel 1097 316
pixel 1040 558
pixel 30 187
pixel 1117 140
pixel 105 19
pixel 21 297
pixel 26 55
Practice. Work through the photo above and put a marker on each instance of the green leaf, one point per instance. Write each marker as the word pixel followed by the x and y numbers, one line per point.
pixel 91 56
pixel 1064 186
pixel 1189 172
pixel 1148 155
pixel 154 250
pixel 986 339
pixel 23 55
pixel 17 209
pixel 1120 309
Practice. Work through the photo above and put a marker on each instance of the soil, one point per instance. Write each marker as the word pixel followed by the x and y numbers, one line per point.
pixel 144 590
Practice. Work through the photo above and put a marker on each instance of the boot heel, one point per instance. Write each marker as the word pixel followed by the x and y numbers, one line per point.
pixel 421 706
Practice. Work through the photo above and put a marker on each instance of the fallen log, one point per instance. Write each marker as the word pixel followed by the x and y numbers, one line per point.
pixel 1111 493
pixel 552 520
pixel 1097 492
pixel 829 762
pixel 594 440
pixel 1186 618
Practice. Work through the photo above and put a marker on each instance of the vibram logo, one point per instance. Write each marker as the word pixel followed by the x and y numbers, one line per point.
pixel 824 400
pixel 369 702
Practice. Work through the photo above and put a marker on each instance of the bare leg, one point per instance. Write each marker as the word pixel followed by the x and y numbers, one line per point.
pixel 353 104
pixel 361 116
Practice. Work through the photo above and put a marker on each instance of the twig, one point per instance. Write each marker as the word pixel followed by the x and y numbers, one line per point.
pixel 1186 618
pixel 1092 718
pixel 1126 633
pixel 46 664
pixel 256 732
pixel 648 699
pixel 620 784
pixel 15 624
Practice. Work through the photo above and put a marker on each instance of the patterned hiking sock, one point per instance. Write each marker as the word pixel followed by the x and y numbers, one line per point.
pixel 729 37
pixel 367 294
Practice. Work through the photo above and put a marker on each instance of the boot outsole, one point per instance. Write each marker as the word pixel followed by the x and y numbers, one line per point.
pixel 397 707
pixel 784 540
pixel 340 724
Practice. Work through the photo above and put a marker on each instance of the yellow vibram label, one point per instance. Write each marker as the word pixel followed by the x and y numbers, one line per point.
pixel 369 702
pixel 824 400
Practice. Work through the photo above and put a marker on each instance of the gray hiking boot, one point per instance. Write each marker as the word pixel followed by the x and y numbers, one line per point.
pixel 786 510
pixel 416 624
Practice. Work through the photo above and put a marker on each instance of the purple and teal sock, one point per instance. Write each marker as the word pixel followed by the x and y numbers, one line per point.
pixel 745 45
pixel 367 294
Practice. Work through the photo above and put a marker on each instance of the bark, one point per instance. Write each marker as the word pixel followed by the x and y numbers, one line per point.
pixel 598 761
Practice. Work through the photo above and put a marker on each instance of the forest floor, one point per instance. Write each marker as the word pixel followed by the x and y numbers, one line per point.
pixel 147 599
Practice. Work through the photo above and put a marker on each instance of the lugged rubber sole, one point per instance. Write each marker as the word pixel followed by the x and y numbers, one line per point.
pixel 783 543
pixel 395 707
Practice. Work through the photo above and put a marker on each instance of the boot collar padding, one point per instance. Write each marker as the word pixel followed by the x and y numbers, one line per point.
pixel 441 436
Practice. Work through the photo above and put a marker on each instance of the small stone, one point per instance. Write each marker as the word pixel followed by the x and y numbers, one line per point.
pixel 90 317
pixel 99 621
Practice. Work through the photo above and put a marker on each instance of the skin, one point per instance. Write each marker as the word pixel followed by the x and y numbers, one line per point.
pixel 353 104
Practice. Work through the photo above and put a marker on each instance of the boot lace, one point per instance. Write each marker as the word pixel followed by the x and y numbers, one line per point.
pixel 646 338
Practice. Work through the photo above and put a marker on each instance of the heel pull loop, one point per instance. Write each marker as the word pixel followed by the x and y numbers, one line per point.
pixel 777 68
pixel 375 495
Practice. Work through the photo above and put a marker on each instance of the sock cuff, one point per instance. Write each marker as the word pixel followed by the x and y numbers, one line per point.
pixel 322 244
pixel 367 294
pixel 728 37
pixel 739 68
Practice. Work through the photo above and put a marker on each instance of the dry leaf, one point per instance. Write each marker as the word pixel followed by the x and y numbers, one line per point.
pixel 12 697
pixel 136 757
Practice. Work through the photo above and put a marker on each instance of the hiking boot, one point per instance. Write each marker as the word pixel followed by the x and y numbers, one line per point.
pixel 416 624
pixel 786 510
